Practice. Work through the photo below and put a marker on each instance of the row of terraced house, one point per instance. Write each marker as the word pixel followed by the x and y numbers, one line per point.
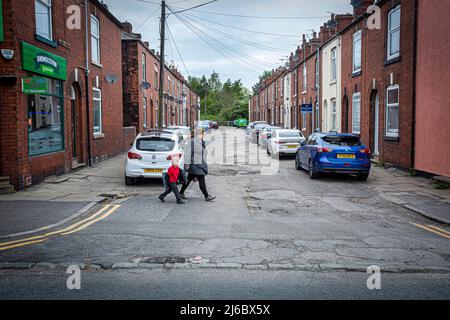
pixel 381 72
pixel 76 86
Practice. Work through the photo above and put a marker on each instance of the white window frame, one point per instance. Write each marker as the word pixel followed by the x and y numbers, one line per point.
pixel 392 132
pixel 48 4
pixel 144 67
pixel 334 125
pixel 357 37
pixel 98 129
pixel 390 32
pixel 144 108
pixel 317 73
pixel 96 38
pixel 305 79
pixel 356 97
pixel 333 64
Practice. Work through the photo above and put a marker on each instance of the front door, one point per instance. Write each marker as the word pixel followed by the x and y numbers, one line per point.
pixel 376 130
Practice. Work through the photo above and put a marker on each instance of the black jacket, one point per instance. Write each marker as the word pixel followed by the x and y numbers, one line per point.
pixel 196 157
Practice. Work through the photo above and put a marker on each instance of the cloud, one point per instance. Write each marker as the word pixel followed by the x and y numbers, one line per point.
pixel 200 58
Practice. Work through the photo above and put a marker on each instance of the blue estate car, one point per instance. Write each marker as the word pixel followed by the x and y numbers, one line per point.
pixel 334 153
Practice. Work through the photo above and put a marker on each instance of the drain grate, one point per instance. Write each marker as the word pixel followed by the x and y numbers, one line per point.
pixel 163 260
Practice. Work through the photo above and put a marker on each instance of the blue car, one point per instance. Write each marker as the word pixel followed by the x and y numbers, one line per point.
pixel 333 153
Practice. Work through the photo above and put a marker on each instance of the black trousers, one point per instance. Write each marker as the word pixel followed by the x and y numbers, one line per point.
pixel 201 181
pixel 172 188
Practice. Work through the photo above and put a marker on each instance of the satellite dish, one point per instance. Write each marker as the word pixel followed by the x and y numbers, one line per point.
pixel 111 78
pixel 146 85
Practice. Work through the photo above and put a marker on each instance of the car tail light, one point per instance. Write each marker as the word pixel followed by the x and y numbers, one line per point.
pixel 132 155
pixel 324 149
pixel 280 142
pixel 170 157
pixel 366 151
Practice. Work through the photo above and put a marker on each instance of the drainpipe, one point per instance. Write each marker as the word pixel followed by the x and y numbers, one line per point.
pixel 86 72
pixel 318 91
pixel 413 122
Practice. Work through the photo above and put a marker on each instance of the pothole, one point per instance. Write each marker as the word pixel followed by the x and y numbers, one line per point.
pixel 280 212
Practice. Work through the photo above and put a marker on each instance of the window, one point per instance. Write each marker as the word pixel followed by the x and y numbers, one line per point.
pixel 304 78
pixel 393 41
pixel 95 39
pixel 43 13
pixel 357 52
pixel 97 97
pixel 145 112
pixel 156 77
pixel 334 64
pixel 333 115
pixel 317 73
pixel 144 68
pixel 46 120
pixel 392 111
pixel 356 113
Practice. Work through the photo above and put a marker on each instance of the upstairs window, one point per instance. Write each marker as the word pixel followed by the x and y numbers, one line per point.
pixel 393 42
pixel 95 39
pixel 357 52
pixel 304 78
pixel 43 13
pixel 334 64
pixel 144 68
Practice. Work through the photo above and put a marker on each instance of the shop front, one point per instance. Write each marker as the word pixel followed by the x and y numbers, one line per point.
pixel 43 87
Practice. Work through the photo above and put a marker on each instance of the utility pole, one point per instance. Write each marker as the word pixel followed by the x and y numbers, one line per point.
pixel 206 92
pixel 161 65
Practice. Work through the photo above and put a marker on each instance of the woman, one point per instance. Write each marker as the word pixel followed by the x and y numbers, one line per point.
pixel 196 164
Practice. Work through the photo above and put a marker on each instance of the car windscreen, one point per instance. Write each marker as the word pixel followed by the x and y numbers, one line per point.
pixel 155 144
pixel 343 141
pixel 260 126
pixel 290 134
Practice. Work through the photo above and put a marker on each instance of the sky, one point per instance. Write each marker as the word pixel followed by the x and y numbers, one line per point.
pixel 209 38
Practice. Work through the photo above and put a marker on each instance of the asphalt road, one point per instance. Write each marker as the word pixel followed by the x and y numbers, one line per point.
pixel 268 217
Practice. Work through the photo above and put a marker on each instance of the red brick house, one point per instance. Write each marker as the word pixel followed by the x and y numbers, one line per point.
pixel 432 112
pixel 140 87
pixel 46 91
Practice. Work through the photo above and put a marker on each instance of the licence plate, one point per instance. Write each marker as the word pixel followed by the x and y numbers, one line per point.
pixel 346 156
pixel 293 147
pixel 153 170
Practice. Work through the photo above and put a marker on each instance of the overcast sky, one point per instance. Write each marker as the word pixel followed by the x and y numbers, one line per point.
pixel 230 58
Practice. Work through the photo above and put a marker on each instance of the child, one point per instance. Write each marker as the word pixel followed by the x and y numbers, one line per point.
pixel 173 176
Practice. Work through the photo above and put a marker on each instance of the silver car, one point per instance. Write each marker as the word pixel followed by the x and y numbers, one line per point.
pixel 284 142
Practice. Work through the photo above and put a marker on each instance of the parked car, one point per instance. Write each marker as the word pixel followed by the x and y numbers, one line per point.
pixel 241 123
pixel 151 154
pixel 214 125
pixel 185 131
pixel 235 123
pixel 266 134
pixel 249 128
pixel 284 142
pixel 334 153
pixel 256 129
pixel 205 125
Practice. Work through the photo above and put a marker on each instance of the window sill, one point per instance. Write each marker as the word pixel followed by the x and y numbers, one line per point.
pixel 333 82
pixel 99 65
pixel 356 74
pixel 49 42
pixel 99 136
pixel 392 138
pixel 392 61
pixel 304 92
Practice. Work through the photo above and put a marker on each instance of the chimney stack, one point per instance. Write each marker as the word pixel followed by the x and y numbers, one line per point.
pixel 127 27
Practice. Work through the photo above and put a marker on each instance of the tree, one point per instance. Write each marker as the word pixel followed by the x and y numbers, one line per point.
pixel 264 76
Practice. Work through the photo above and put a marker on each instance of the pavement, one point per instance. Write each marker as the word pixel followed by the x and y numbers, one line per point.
pixel 269 221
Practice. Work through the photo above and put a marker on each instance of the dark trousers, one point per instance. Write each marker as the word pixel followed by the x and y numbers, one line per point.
pixel 201 181
pixel 172 188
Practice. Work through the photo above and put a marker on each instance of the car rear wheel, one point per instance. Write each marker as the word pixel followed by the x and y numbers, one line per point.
pixel 363 177
pixel 297 164
pixel 312 174
pixel 129 181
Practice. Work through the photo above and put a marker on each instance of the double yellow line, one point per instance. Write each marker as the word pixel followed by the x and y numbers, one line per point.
pixel 433 229
pixel 104 212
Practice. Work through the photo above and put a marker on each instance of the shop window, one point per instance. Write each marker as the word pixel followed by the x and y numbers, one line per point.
pixel 97 97
pixel 45 120
pixel 392 111
pixel 43 13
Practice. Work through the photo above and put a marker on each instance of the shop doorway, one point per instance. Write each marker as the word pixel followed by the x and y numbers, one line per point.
pixel 76 128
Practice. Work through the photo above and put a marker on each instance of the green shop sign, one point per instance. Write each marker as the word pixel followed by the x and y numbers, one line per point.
pixel 34 85
pixel 43 62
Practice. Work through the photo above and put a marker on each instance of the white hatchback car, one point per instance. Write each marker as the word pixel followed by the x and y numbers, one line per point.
pixel 151 154
pixel 284 142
